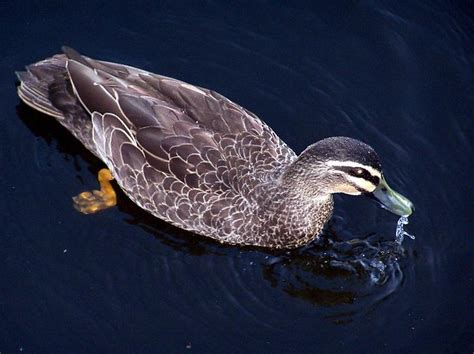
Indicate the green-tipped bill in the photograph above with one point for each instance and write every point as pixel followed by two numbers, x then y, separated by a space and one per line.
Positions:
pixel 391 200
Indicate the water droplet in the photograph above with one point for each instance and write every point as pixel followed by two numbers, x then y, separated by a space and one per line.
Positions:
pixel 400 233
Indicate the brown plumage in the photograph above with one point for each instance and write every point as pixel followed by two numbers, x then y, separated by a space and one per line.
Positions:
pixel 187 154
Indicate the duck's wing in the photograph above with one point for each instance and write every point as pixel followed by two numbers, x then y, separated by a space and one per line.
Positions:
pixel 184 153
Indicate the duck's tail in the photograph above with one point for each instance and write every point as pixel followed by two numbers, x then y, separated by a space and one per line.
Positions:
pixel 36 81
pixel 46 87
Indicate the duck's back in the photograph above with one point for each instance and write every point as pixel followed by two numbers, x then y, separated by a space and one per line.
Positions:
pixel 186 154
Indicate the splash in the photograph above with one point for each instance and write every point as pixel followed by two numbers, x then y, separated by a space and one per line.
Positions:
pixel 400 233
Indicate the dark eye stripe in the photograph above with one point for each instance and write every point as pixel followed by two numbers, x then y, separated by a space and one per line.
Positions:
pixel 352 171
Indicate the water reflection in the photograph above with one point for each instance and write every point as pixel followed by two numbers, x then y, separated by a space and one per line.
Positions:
pixel 52 132
pixel 335 272
pixel 345 277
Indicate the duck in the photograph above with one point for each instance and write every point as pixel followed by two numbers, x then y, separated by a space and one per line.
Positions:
pixel 197 160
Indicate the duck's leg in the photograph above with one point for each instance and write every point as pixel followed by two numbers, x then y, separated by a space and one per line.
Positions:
pixel 92 202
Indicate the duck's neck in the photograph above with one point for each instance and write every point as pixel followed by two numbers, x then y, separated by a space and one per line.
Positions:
pixel 305 183
pixel 294 210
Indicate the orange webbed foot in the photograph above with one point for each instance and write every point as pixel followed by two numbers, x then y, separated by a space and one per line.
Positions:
pixel 97 200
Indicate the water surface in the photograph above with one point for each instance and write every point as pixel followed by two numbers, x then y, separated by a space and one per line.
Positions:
pixel 397 75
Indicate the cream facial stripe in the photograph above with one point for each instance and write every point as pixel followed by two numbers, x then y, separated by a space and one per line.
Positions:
pixel 371 170
pixel 361 183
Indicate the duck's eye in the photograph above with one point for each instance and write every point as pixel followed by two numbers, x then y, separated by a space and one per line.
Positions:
pixel 359 171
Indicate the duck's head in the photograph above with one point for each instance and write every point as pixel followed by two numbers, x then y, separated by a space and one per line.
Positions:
pixel 346 165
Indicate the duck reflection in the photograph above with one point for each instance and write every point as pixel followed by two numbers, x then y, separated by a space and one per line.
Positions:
pixel 335 273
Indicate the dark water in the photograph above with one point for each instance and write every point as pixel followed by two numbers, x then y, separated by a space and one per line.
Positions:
pixel 398 75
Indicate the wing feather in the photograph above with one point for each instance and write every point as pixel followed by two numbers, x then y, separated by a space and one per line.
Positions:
pixel 187 154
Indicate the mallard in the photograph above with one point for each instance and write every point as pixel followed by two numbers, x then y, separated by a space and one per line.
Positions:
pixel 197 160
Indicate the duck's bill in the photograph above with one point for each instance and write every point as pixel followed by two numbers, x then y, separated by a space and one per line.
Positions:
pixel 391 200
